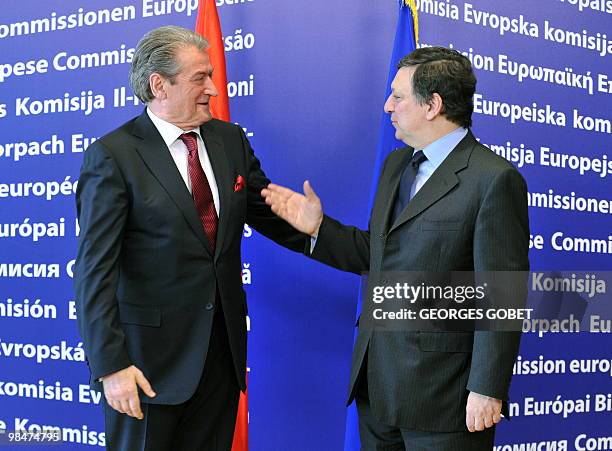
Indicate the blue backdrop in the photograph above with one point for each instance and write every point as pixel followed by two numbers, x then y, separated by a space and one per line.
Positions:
pixel 307 81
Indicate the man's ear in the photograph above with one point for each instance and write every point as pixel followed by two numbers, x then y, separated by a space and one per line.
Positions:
pixel 158 86
pixel 435 106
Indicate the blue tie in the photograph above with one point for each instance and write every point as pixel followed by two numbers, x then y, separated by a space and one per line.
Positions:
pixel 405 186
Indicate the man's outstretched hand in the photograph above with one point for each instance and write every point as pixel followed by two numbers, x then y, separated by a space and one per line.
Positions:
pixel 302 211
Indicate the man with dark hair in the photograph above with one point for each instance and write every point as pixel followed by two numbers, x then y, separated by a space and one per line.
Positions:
pixel 443 203
pixel 162 202
pixel 448 73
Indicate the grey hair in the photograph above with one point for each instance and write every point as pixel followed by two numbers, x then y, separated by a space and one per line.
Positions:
pixel 156 53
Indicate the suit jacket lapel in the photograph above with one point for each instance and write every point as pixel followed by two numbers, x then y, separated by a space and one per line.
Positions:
pixel 388 191
pixel 441 181
pixel 157 158
pixel 223 177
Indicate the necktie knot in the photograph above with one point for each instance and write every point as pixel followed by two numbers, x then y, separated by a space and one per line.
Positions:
pixel 191 141
pixel 418 158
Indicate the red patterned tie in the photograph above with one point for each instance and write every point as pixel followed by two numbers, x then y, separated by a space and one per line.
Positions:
pixel 200 189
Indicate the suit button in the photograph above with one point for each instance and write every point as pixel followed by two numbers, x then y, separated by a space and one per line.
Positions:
pixel 382 236
pixel 209 306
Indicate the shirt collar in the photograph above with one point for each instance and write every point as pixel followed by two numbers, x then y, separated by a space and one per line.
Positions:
pixel 437 151
pixel 169 132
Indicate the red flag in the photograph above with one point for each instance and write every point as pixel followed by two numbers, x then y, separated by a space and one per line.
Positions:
pixel 208 26
pixel 241 432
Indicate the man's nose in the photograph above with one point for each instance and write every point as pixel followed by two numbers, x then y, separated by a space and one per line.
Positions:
pixel 211 88
pixel 388 105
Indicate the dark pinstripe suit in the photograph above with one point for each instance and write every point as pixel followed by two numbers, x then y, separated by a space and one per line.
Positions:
pixel 471 215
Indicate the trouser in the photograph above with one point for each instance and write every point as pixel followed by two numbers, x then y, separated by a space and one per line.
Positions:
pixel 205 422
pixel 376 436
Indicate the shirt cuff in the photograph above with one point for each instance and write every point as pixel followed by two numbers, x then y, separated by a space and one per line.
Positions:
pixel 313 243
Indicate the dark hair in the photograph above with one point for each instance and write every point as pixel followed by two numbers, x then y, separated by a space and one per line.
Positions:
pixel 448 73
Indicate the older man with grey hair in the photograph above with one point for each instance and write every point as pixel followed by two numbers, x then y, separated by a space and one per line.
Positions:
pixel 162 202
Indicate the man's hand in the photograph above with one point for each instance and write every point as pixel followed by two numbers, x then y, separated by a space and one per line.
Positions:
pixel 482 412
pixel 304 212
pixel 121 390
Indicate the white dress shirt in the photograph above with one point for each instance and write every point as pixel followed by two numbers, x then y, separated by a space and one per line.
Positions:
pixel 170 134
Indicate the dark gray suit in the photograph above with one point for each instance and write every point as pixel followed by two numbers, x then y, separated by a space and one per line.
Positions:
pixel 471 215
pixel 148 285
